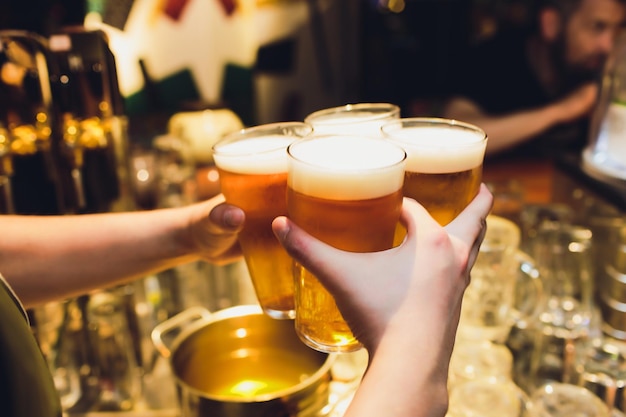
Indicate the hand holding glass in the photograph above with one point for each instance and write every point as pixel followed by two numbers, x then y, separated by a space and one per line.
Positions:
pixel 347 192
pixel 252 165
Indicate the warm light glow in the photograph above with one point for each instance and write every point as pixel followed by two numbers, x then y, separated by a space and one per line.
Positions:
pixel 143 175
pixel 395 6
pixel 4 142
pixel 241 333
pixel 213 175
pixel 72 130
pixel 12 74
pixel 248 388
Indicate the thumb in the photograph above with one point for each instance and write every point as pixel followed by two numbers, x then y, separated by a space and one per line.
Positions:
pixel 227 217
pixel 327 263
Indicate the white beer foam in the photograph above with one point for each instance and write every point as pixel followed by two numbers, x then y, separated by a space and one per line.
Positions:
pixel 361 123
pixel 437 150
pixel 257 155
pixel 346 167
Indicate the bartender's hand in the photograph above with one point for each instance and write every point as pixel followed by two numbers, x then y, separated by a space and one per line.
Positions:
pixel 213 226
pixel 577 104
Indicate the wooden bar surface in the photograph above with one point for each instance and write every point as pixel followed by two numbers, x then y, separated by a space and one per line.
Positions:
pixel 535 176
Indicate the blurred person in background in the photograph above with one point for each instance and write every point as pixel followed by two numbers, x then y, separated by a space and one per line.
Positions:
pixel 533 88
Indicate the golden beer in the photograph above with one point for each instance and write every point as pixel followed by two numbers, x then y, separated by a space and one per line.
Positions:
pixel 443 195
pixel 363 119
pixel 347 192
pixel 444 163
pixel 252 165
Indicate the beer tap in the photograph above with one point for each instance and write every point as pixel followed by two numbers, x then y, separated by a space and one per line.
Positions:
pixel 28 115
pixel 6 169
pixel 94 141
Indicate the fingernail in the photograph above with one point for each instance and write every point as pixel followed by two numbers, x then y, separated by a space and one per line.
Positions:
pixel 281 227
pixel 233 218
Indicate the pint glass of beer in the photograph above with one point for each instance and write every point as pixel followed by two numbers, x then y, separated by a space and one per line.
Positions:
pixel 347 192
pixel 364 119
pixel 444 162
pixel 252 165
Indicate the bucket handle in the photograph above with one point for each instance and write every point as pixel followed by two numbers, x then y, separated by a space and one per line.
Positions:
pixel 176 322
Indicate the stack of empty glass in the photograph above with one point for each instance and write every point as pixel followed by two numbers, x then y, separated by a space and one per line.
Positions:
pixel 481 369
pixel 568 315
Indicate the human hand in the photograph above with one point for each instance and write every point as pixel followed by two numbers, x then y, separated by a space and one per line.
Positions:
pixel 213 226
pixel 389 292
pixel 578 103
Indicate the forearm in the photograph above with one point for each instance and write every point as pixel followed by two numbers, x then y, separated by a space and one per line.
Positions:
pixel 514 129
pixel 46 258
pixel 411 369
pixel 507 131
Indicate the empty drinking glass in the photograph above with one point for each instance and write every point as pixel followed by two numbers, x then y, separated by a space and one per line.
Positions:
pixel 563 256
pixel 566 400
pixel 489 307
pixel 568 315
pixel 488 398
pixel 473 360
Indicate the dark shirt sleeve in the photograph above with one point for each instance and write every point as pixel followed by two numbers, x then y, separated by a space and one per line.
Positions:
pixel 28 389
pixel 495 75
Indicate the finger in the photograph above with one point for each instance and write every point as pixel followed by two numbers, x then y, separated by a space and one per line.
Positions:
pixel 214 226
pixel 227 217
pixel 476 246
pixel 468 224
pixel 413 213
pixel 323 260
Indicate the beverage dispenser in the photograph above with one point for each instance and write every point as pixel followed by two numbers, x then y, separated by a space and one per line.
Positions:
pixel 92 119
pixel 604 158
pixel 31 176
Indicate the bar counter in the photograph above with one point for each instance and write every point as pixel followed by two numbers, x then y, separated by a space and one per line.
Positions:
pixel 560 180
pixel 535 176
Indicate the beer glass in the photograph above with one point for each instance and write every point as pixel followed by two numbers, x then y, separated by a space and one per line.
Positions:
pixel 502 274
pixel 364 119
pixel 472 360
pixel 600 366
pixel 568 314
pixel 488 397
pixel 563 255
pixel 347 192
pixel 252 165
pixel 557 399
pixel 444 162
